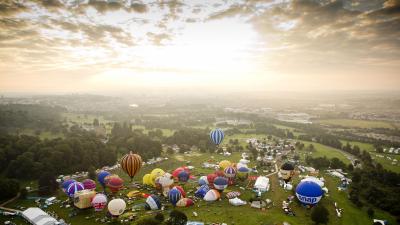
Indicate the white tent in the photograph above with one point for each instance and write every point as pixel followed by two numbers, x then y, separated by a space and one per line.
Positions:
pixel 37 216
pixel 262 184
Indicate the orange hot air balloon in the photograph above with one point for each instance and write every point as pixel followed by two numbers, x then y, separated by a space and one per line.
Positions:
pixel 131 164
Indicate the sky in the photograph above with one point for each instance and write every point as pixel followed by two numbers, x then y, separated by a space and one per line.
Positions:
pixel 49 46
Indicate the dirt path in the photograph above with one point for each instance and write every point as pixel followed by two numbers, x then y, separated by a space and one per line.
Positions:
pixel 8 202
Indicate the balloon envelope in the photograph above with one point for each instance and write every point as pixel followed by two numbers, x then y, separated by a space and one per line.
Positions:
pixel 212 195
pixel 183 176
pixel 210 178
pixel 99 202
pixel 183 193
pixel 73 188
pixel 184 202
pixel 202 191
pixel 220 183
pixel 147 179
pixel 131 164
pixel 203 180
pixel 89 184
pixel 176 172
pixel 155 174
pixel 217 136
pixel 115 183
pixel 153 202
pixel 116 207
pixel 66 183
pixel 230 172
pixel 174 195
pixel 224 164
pixel 309 192
pixel 101 177
pixel 165 180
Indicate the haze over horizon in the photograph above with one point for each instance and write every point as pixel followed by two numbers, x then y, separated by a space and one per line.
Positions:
pixel 119 46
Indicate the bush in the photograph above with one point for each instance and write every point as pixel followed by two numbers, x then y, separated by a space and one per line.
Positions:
pixel 319 214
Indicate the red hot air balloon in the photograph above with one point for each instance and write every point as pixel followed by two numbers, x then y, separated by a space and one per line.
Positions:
pixel 115 183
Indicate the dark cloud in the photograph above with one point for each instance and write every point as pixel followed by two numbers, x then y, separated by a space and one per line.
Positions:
pixel 139 7
pixel 11 7
pixel 103 6
pixel 158 39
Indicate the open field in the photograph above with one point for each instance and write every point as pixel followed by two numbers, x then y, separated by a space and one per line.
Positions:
pixel 222 211
pixel 384 161
pixel 357 123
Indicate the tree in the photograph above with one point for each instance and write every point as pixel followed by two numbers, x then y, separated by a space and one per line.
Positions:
pixel 170 151
pixel 47 184
pixel 296 157
pixel 177 218
pixel 319 215
pixel 8 188
pixel 96 122
pixel 370 212
pixel 92 173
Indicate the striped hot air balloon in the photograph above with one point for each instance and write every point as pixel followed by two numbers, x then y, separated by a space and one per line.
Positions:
pixel 66 184
pixel 73 188
pixel 230 172
pixel 153 202
pixel 217 136
pixel 174 195
pixel 202 191
pixel 131 164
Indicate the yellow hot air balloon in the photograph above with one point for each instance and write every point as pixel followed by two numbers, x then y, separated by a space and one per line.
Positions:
pixel 155 174
pixel 147 179
pixel 131 164
pixel 224 163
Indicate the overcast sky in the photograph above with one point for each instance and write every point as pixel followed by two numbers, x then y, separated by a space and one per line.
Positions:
pixel 114 45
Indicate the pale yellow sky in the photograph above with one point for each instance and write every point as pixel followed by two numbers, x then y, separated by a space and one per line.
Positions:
pixel 122 45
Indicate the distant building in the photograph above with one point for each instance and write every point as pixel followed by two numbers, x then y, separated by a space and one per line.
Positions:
pixel 37 216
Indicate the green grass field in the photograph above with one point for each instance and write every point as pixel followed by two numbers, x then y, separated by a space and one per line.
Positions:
pixel 357 123
pixel 386 163
pixel 222 211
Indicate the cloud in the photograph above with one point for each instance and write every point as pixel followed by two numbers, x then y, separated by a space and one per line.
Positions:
pixel 139 7
pixel 158 39
pixel 11 7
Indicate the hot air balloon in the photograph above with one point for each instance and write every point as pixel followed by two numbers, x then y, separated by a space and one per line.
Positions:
pixel 147 179
pixel 153 202
pixel 224 164
pixel 73 188
pixel 210 179
pixel 212 195
pixel 309 192
pixel 165 180
pixel 66 183
pixel 116 207
pixel 220 183
pixel 183 176
pixel 287 171
pixel 99 202
pixel 131 164
pixel 184 202
pixel 183 193
pixel 101 178
pixel 230 172
pixel 155 174
pixel 202 191
pixel 115 183
pixel 176 172
pixel 219 173
pixel 242 173
pixel 203 180
pixel 89 184
pixel 174 195
pixel 217 136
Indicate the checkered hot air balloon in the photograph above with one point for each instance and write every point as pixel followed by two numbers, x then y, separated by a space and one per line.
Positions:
pixel 217 136
pixel 131 164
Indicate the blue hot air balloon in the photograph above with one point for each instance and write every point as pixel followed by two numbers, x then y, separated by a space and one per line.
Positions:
pixel 101 177
pixel 66 183
pixel 183 176
pixel 309 193
pixel 220 183
pixel 73 188
pixel 174 195
pixel 153 202
pixel 217 136
pixel 202 191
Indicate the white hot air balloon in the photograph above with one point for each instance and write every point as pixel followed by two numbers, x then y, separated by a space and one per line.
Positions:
pixel 211 195
pixel 116 207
